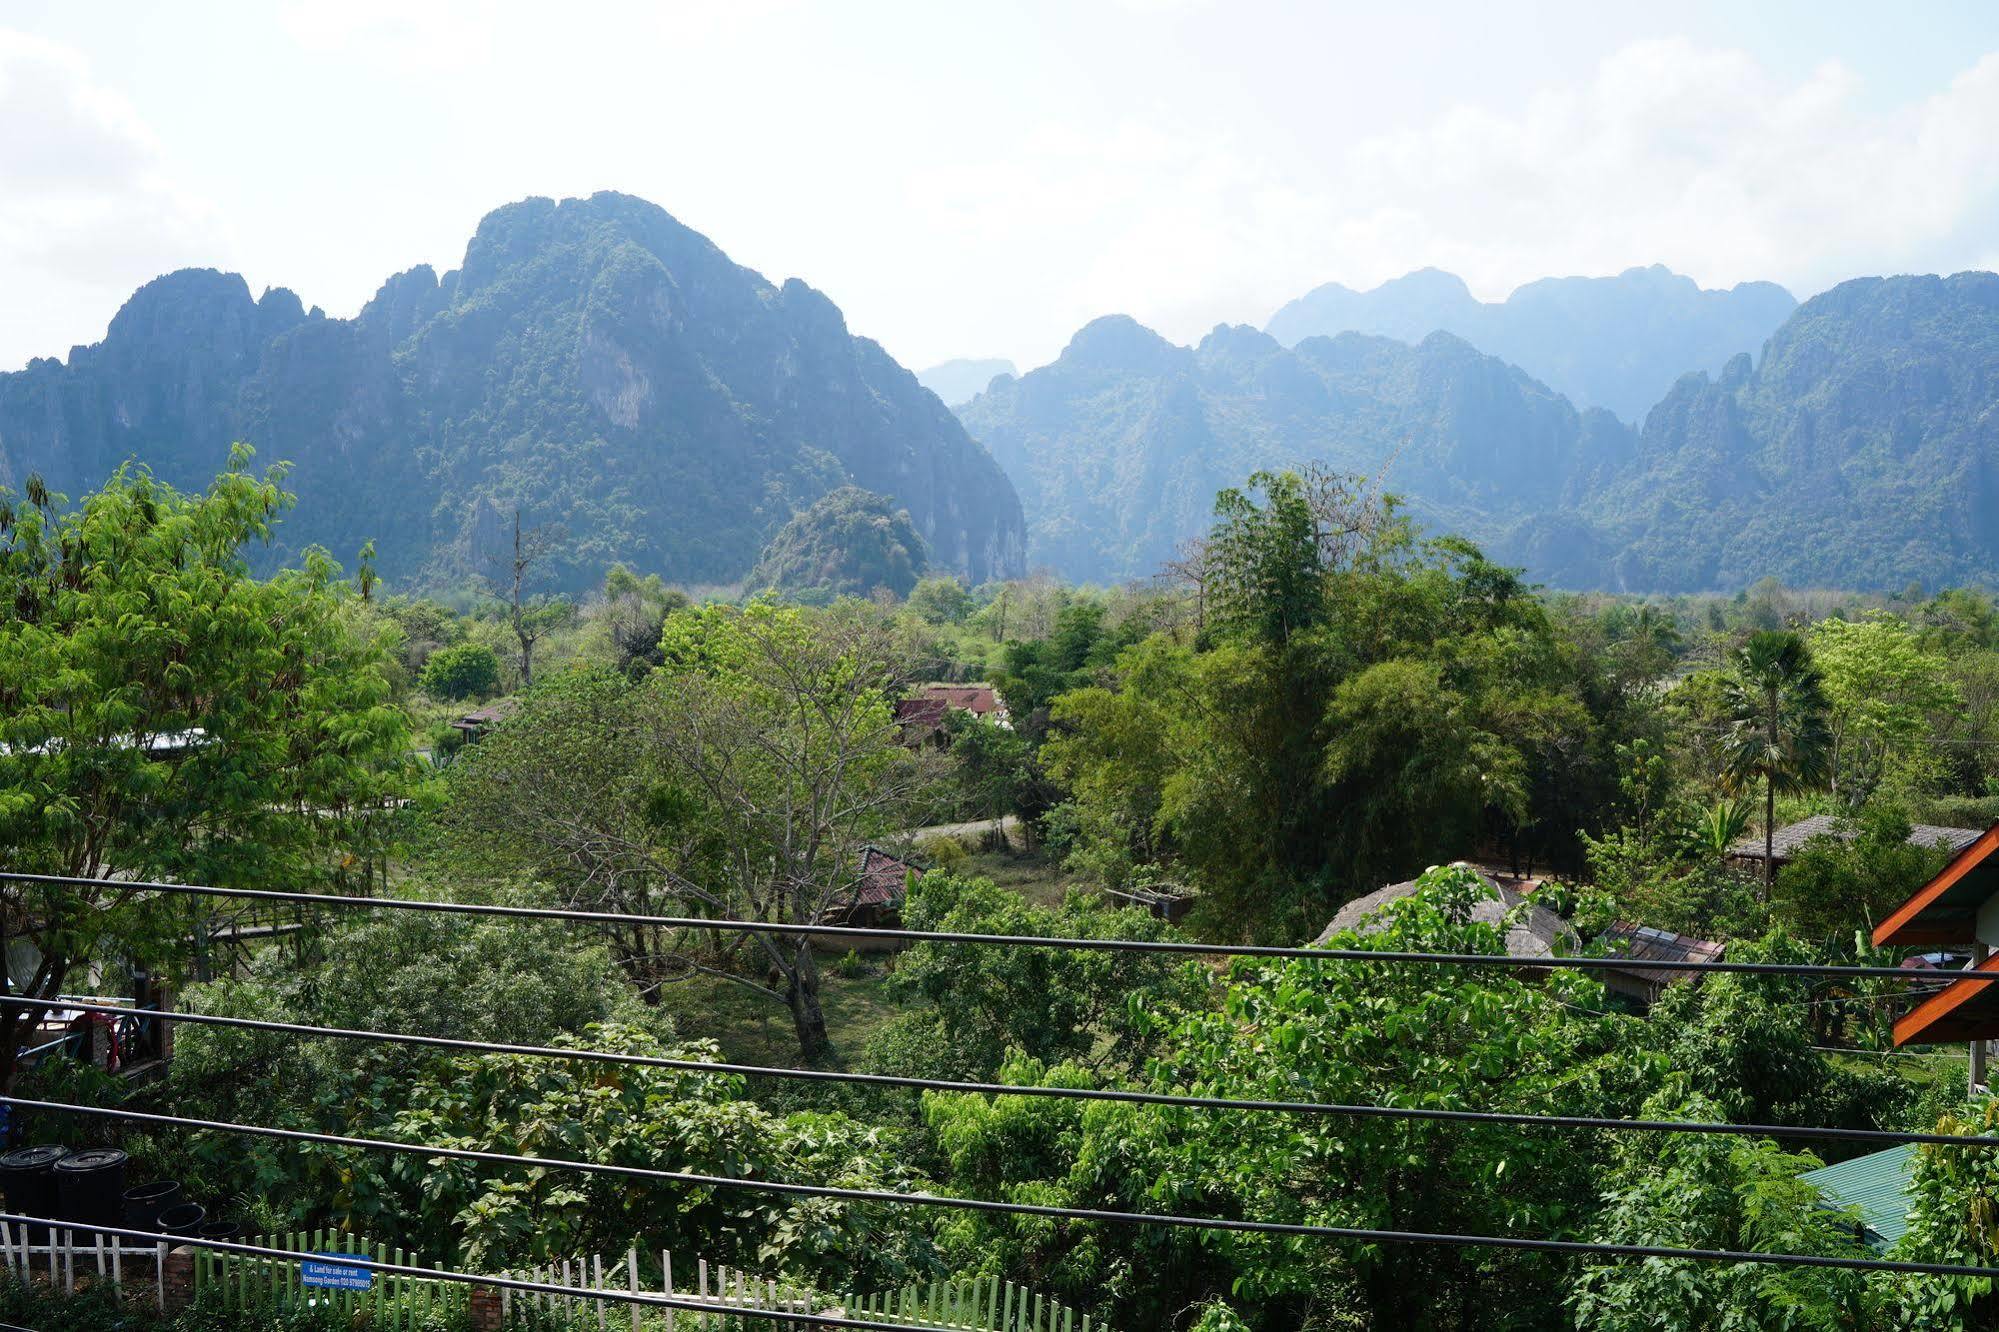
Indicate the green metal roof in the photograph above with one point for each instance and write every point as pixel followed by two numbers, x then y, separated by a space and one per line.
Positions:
pixel 1877 1184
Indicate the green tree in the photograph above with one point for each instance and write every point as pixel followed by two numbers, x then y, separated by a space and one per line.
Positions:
pixel 1882 689
pixel 741 779
pixel 628 621
pixel 971 1007
pixel 848 543
pixel 463 670
pixel 1404 1034
pixel 941 599
pixel 165 715
pixel 1687 1191
pixel 1779 732
pixel 1838 885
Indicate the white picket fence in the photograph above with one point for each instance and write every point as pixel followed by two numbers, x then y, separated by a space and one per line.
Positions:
pixel 59 1254
pixel 719 1287
pixel 965 1304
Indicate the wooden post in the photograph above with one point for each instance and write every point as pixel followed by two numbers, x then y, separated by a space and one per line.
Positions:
pixel 1975 1073
pixel 666 1278
pixel 632 1271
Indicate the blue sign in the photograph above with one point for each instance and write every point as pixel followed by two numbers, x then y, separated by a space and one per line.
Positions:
pixel 335 1276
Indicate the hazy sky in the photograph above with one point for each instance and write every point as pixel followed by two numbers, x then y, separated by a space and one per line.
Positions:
pixel 980 179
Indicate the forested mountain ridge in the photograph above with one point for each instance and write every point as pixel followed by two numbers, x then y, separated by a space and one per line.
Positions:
pixel 1612 342
pixel 593 362
pixel 1120 444
pixel 1863 450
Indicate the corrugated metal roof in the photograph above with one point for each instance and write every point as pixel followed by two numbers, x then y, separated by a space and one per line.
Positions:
pixel 1643 943
pixel 1877 1184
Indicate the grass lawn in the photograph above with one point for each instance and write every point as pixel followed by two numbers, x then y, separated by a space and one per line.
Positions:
pixel 752 1029
pixel 1035 875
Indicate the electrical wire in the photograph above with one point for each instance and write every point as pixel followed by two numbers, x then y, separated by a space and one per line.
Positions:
pixel 645 1299
pixel 884 1196
pixel 1884 1137
pixel 1179 947
pixel 1447 1239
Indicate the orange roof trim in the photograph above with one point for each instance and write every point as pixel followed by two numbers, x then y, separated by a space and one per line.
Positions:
pixel 1908 924
pixel 1965 1011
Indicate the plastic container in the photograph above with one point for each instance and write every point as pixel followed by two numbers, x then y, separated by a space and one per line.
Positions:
pixel 220 1230
pixel 144 1204
pixel 183 1219
pixel 28 1181
pixel 90 1186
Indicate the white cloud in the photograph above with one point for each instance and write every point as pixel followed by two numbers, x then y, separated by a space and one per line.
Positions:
pixel 1697 158
pixel 1667 152
pixel 87 212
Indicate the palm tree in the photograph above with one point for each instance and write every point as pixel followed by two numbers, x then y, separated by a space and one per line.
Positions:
pixel 1779 732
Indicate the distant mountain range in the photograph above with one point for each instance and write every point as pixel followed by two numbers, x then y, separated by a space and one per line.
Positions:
pixel 962 380
pixel 600 367
pixel 593 363
pixel 1862 451
pixel 1612 342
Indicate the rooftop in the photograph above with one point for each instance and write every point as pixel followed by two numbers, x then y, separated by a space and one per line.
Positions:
pixel 1877 1184
pixel 1534 933
pixel 1791 838
pixel 1643 943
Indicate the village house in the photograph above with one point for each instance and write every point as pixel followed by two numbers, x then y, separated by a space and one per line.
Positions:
pixel 1790 839
pixel 875 897
pixel 1957 910
pixel 921 715
pixel 472 725
pixel 1642 943
pixel 1532 930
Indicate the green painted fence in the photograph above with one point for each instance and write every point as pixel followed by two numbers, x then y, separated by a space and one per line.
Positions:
pixel 246 1281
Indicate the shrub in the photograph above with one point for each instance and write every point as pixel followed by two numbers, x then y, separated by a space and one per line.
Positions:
pixel 463 670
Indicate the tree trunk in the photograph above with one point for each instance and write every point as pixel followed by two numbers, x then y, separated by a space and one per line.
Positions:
pixel 1769 834
pixel 802 996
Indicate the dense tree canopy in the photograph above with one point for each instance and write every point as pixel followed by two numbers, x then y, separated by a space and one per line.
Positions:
pixel 164 713
pixel 848 543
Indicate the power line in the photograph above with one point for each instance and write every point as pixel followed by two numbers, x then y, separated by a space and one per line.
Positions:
pixel 1886 1137
pixel 884 1196
pixel 1447 1239
pixel 645 1299
pixel 1180 947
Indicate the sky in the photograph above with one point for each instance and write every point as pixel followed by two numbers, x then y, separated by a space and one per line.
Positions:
pixel 981 180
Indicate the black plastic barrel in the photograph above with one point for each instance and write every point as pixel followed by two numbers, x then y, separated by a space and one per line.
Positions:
pixel 220 1230
pixel 184 1219
pixel 144 1204
pixel 27 1177
pixel 90 1186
